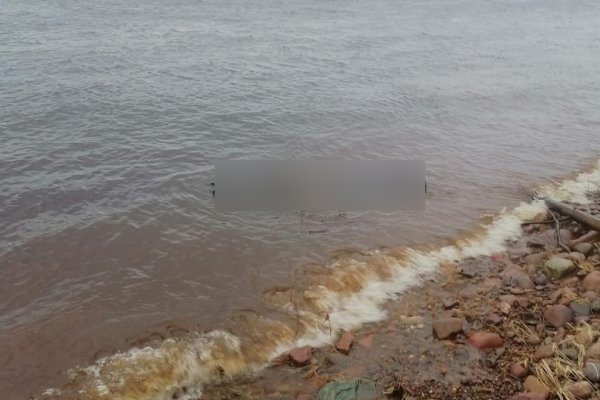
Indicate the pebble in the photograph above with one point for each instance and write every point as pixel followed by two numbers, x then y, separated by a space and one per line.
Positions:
pixel 580 308
pixel 536 258
pixel 517 370
pixel 583 248
pixel 582 389
pixel 593 352
pixel 592 371
pixel 588 237
pixel 558 315
pixel 485 340
pixel 344 344
pixel 493 319
pixel 301 356
pixel 450 303
pixel 445 327
pixel 540 279
pixel 544 351
pixel 595 306
pixel 529 396
pixel 533 384
pixel 504 307
pixel 514 275
pixel 592 281
pixel 558 267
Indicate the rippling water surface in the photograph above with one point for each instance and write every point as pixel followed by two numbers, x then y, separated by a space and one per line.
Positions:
pixel 112 113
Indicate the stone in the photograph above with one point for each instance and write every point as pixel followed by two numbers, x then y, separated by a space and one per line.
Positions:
pixel 485 340
pixel 558 267
pixel 588 237
pixel 595 307
pixel 494 319
pixel 536 259
pixel 584 248
pixel 593 352
pixel 533 384
pixel 580 308
pixel 445 327
pixel 575 256
pixel 592 281
pixel 344 344
pixel 529 396
pixel 504 307
pixel 558 315
pixel 450 303
pixel 540 279
pixel 592 371
pixel 571 353
pixel 544 351
pixel 581 389
pixel 515 276
pixel 517 370
pixel 301 356
pixel 367 341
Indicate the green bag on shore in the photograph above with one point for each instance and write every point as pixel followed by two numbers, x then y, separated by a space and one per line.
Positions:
pixel 351 389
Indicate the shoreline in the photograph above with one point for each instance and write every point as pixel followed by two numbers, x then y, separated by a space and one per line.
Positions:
pixel 507 326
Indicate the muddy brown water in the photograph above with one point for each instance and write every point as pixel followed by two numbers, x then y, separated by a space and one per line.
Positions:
pixel 112 115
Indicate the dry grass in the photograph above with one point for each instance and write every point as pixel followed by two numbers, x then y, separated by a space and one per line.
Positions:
pixel 523 334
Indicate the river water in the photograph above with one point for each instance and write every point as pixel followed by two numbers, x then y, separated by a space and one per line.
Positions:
pixel 112 114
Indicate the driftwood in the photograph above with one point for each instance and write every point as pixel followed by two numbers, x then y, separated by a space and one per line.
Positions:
pixel 582 217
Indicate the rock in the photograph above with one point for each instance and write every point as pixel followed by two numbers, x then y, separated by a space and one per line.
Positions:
pixel 355 389
pixel 581 389
pixel 485 340
pixel 558 267
pixel 592 281
pixel 591 296
pixel 558 315
pixel 593 352
pixel 514 275
pixel 575 256
pixel 528 396
pixel 533 384
pixel 571 353
pixel 367 341
pixel 517 370
pixel 344 344
pixel 494 319
pixel 584 248
pixel 536 259
pixel 540 279
pixel 588 237
pixel 445 327
pixel 592 371
pixel 450 303
pixel 544 351
pixel 504 307
pixel 318 381
pixel 301 356
pixel 595 307
pixel 580 308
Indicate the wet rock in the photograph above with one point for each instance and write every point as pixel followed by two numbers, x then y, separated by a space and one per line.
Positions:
pixel 485 340
pixel 445 327
pixel 558 315
pixel 344 344
pixel 592 371
pixel 595 307
pixel 544 351
pixel 592 281
pixel 580 308
pixel 584 248
pixel 582 389
pixel 517 370
pixel 558 267
pixel 514 275
pixel 593 352
pixel 367 341
pixel 301 356
pixel 533 384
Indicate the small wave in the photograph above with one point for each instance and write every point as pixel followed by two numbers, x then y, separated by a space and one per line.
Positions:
pixel 349 292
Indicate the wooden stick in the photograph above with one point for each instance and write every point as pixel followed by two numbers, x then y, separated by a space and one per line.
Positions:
pixel 582 217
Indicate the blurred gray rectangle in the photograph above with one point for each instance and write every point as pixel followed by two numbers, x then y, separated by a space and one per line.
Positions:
pixel 319 185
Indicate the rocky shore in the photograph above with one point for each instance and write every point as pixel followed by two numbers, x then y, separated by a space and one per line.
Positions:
pixel 523 324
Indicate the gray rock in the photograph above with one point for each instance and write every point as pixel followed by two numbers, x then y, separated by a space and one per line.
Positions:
pixel 580 308
pixel 514 275
pixel 593 352
pixel 540 279
pixel 592 371
pixel 558 267
pixel 584 248
pixel 595 307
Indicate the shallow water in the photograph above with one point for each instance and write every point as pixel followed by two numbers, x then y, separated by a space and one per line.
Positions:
pixel 112 116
